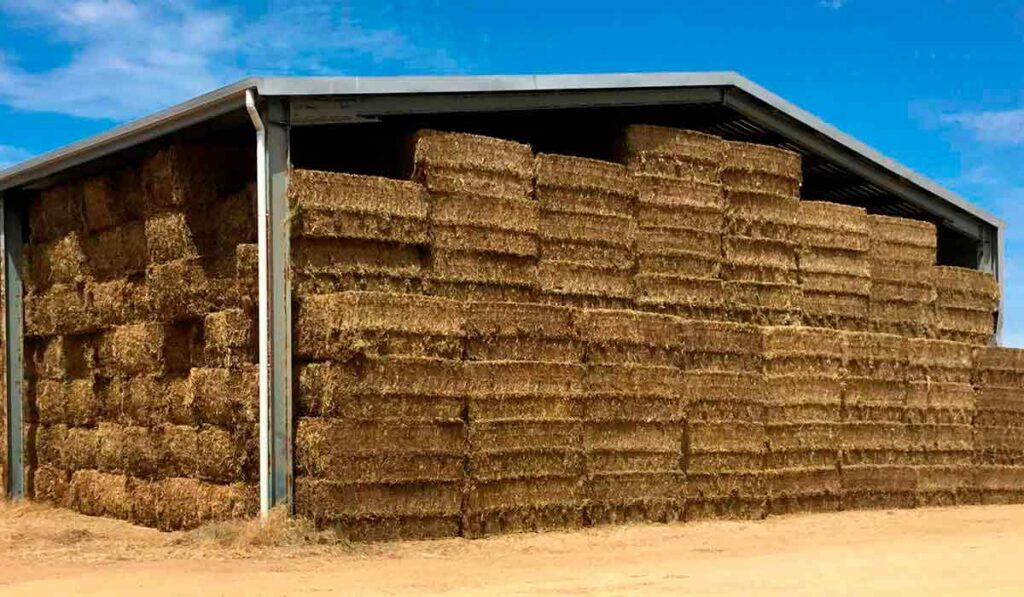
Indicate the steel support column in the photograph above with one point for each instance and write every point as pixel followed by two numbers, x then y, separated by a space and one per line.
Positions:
pixel 276 120
pixel 11 229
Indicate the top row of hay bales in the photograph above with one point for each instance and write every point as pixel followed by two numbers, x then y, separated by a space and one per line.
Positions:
pixel 689 224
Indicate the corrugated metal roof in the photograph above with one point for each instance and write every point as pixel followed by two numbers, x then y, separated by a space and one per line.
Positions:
pixel 750 104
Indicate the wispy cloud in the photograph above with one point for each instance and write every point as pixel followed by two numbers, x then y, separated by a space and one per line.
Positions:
pixel 833 4
pixel 130 57
pixel 10 156
pixel 998 127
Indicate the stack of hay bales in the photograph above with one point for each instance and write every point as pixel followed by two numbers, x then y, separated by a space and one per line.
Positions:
pixel 524 465
pixel 803 374
pixel 725 403
pixel 965 304
pixel 901 255
pixel 940 411
pixel 483 218
pixel 835 275
pixel 380 441
pixel 354 232
pixel 680 214
pixel 875 440
pixel 762 197
pixel 634 423
pixel 131 303
pixel 999 425
pixel 586 231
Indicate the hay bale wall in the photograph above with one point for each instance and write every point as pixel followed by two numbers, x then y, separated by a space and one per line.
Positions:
pixel 555 345
pixel 140 350
pixel 835 274
pixel 723 385
pixel 804 374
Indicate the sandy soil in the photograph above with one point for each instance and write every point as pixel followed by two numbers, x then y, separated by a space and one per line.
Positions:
pixel 977 550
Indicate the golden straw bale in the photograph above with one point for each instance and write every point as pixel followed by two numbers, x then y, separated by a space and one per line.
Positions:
pixel 60 309
pixel 462 163
pixel 56 212
pixel 229 338
pixel 963 288
pixel 484 268
pixel 169 236
pixel 111 199
pixel 227 397
pixel 569 278
pixel 329 326
pixel 61 261
pixel 189 288
pixel 118 301
pixel 558 227
pixel 902 240
pixel 330 500
pixel 656 290
pixel 673 152
pixel 337 193
pixel 143 348
pixel 581 185
pixel 833 226
pixel 60 357
pixel 117 251
pixel 100 494
pixel 51 485
pixel 375 388
pixel 764 303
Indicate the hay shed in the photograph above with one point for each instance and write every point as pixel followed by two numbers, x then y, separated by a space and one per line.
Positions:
pixel 459 306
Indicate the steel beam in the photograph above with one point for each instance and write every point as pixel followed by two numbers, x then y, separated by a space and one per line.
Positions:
pixel 11 229
pixel 278 146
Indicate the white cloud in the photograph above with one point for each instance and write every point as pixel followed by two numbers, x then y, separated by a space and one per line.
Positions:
pixel 998 127
pixel 130 57
pixel 10 156
pixel 833 4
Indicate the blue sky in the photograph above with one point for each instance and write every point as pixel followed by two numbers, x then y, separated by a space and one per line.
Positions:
pixel 936 84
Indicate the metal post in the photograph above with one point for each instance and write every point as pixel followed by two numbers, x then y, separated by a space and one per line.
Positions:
pixel 276 121
pixel 11 230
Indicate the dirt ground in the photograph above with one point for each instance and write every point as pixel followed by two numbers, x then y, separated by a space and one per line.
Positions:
pixel 975 550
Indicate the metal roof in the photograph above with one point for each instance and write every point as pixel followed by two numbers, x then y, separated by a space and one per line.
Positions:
pixel 761 112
